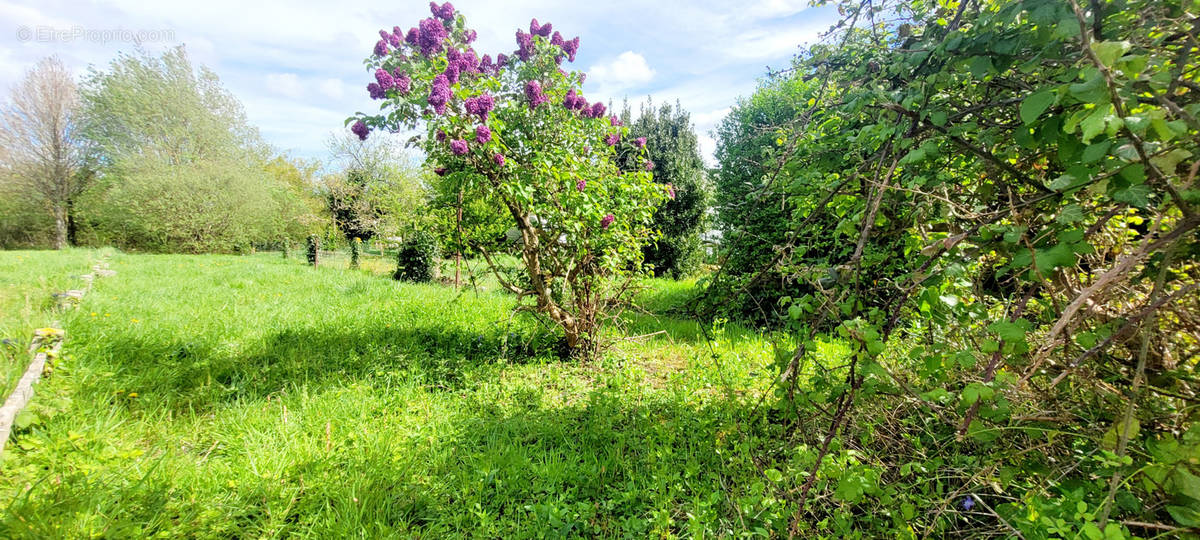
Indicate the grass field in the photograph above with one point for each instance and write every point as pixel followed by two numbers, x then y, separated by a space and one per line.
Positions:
pixel 255 397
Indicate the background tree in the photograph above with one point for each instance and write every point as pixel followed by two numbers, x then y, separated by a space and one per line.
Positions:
pixel 43 155
pixel 672 147
pixel 377 189
pixel 179 167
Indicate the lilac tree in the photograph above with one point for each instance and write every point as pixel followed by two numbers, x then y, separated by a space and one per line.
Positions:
pixel 517 129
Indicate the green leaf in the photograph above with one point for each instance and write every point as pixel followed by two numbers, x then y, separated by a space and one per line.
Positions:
pixel 1036 103
pixel 1110 51
pixel 1111 437
pixel 1188 517
pixel 1070 213
pixel 938 118
pixel 773 475
pixel 1094 123
pixel 1091 90
pixel 980 66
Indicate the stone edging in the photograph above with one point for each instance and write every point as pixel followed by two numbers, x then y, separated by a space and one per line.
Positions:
pixel 47 342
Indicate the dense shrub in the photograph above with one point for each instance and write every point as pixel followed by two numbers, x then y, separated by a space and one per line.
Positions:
pixel 313 249
pixel 355 249
pixel 418 258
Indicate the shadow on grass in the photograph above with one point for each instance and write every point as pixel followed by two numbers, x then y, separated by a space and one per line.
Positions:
pixel 198 375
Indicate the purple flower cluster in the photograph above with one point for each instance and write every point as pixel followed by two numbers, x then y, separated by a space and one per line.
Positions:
pixel 614 121
pixel 580 185
pixel 445 12
pixel 440 171
pixel 671 192
pixel 542 30
pixel 480 106
pixel 612 139
pixel 440 136
pixel 460 62
pixel 431 35
pixel 499 159
pixel 439 93
pixel 413 37
pixel 381 48
pixel 389 37
pixel 650 166
pixel 525 41
pixel 385 80
pixel 458 146
pixel 607 220
pixel 360 128
pixel 403 82
pixel 574 101
pixel 483 134
pixel 533 92
pixel 640 142
pixel 524 45
pixel 376 91
pixel 596 111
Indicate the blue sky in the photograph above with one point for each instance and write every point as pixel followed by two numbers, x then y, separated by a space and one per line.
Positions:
pixel 297 66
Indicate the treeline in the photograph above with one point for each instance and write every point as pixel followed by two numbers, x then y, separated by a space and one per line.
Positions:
pixel 152 153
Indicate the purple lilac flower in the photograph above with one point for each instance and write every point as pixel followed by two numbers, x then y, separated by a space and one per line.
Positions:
pixel 587 149
pixel 440 136
pixel 582 78
pixel 640 142
pixel 403 82
pixel 360 128
pixel 499 159
pixel 376 91
pixel 569 100
pixel 483 134
pixel 583 105
pixel 580 185
pixel 446 12
pixel 439 93
pixel 381 48
pixel 649 165
pixel 543 30
pixel 485 65
pixel 533 92
pixel 440 171
pixel 468 61
pixel 571 47
pixel 470 36
pixel 451 73
pixel 394 40
pixel 458 146
pixel 557 40
pixel 671 192
pixel 607 220
pixel 968 503
pixel 385 80
pixel 598 110
pixel 480 106
pixel 524 45
pixel 501 61
pixel 413 37
pixel 614 121
pixel 612 139
pixel 432 34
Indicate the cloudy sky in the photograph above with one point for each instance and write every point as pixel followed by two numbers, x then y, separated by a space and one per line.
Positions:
pixel 297 66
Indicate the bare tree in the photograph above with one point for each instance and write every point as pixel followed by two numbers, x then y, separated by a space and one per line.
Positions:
pixel 41 148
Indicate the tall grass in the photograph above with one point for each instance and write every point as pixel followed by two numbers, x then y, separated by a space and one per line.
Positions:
pixel 222 396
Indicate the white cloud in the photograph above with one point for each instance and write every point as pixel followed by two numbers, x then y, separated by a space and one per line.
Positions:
pixel 332 88
pixel 285 84
pixel 627 70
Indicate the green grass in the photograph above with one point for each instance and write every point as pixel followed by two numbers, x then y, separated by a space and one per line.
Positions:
pixel 224 396
pixel 28 281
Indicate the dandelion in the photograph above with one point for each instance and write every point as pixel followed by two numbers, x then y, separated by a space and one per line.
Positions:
pixel 607 220
pixel 459 147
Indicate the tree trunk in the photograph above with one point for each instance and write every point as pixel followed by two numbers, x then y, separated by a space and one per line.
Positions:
pixel 72 227
pixel 60 226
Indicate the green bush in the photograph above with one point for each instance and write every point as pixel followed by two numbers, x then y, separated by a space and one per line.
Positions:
pixel 355 249
pixel 314 248
pixel 417 259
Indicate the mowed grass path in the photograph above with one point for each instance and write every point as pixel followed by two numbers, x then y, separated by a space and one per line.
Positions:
pixel 255 397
